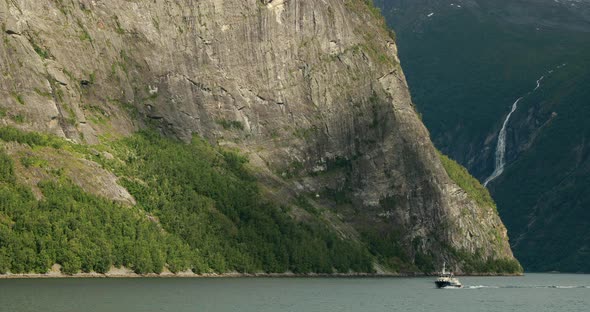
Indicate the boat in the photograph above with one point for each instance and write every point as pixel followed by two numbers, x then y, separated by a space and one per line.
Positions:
pixel 447 279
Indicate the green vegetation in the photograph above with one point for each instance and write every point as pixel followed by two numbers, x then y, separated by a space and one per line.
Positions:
pixel 374 10
pixel 118 29
pixel 230 124
pixel 32 161
pixel 84 36
pixel 212 215
pixel 32 139
pixel 305 133
pixel 467 182
pixel 18 98
pixel 63 8
pixel 213 203
pixel 44 94
pixel 387 247
pixel 474 263
pixel 156 23
pixel 366 5
pixel 198 208
pixel 43 53
pixel 79 231
pixel 304 203
pixel 18 118
pixel 373 44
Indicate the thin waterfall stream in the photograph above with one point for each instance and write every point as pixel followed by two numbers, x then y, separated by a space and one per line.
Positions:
pixel 501 147
pixel 500 155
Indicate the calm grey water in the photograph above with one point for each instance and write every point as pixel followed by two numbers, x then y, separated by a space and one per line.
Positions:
pixel 534 292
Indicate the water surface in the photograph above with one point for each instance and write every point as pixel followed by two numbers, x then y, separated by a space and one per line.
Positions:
pixel 533 292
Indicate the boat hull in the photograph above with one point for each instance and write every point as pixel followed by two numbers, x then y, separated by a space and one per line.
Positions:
pixel 446 284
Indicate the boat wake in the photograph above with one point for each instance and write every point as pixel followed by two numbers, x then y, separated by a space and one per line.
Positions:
pixel 526 286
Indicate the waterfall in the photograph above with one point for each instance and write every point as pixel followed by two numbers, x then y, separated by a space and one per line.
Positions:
pixel 501 145
pixel 538 83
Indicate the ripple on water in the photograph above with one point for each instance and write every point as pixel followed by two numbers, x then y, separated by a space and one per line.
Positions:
pixel 526 286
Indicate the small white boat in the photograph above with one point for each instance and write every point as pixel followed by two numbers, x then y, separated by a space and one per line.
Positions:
pixel 447 280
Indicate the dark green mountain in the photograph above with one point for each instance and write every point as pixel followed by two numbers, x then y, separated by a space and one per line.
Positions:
pixel 467 62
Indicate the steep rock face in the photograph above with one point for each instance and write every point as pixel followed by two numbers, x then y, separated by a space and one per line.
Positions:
pixel 312 91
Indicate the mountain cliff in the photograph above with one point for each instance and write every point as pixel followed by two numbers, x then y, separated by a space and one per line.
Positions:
pixel 311 93
pixel 500 52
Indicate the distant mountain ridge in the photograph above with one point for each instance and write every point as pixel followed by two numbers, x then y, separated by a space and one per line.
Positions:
pixel 467 66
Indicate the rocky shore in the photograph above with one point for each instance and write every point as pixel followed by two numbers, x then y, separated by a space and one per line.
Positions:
pixel 128 273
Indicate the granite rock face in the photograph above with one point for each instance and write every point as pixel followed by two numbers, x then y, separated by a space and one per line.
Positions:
pixel 312 91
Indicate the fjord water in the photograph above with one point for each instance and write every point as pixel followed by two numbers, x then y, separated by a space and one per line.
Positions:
pixel 533 292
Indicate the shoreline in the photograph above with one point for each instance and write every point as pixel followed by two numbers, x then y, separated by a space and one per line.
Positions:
pixel 54 275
